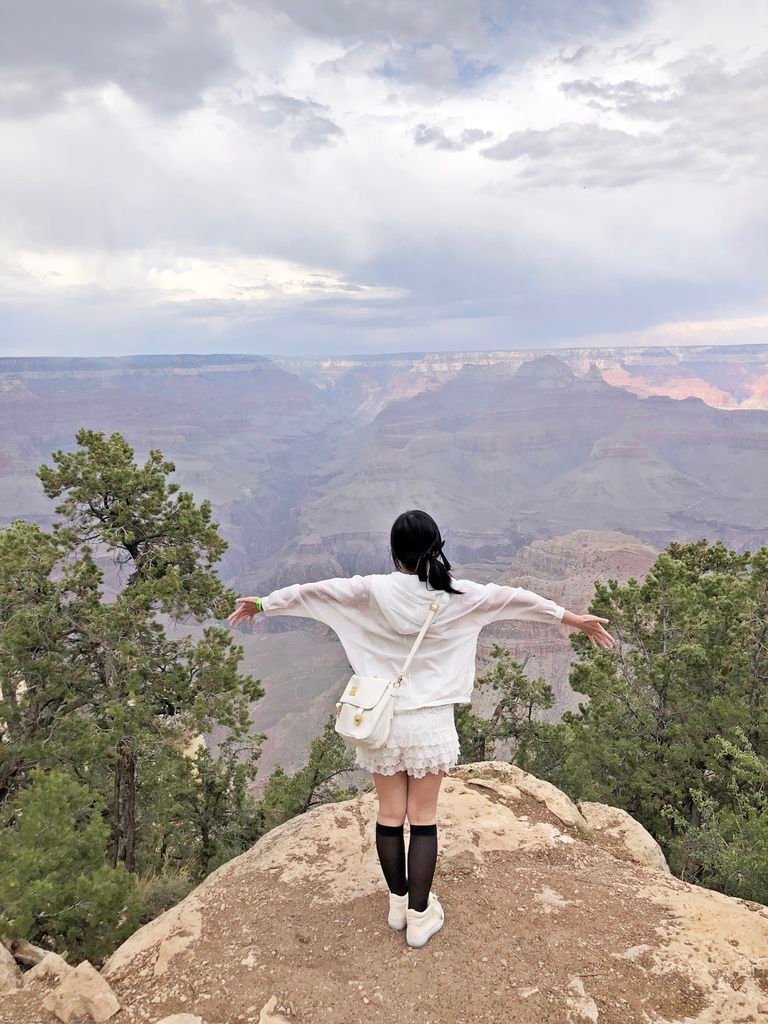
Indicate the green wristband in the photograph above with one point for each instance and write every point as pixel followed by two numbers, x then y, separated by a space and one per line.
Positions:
pixel 259 606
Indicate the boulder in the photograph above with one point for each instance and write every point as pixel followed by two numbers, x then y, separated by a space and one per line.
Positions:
pixel 511 783
pixel 615 826
pixel 24 952
pixel 82 993
pixel 10 975
pixel 52 968
pixel 165 937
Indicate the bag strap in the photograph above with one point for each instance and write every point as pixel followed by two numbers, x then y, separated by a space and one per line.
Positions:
pixel 434 606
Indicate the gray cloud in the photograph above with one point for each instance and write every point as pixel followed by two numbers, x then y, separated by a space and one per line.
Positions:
pixel 642 50
pixel 162 55
pixel 442 20
pixel 702 89
pixel 612 94
pixel 431 64
pixel 577 57
pixel 417 42
pixel 304 121
pixel 431 135
pixel 592 156
pixel 166 55
pixel 579 154
pixel 317 132
pixel 99 210
pixel 707 125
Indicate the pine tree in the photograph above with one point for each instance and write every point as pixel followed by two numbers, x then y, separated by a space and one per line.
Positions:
pixel 95 683
pixel 727 847
pixel 513 715
pixel 690 671
pixel 287 795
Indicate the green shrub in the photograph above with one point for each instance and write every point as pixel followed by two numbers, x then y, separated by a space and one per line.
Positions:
pixel 56 889
pixel 727 847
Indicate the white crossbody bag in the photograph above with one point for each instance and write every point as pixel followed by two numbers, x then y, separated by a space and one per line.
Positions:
pixel 364 710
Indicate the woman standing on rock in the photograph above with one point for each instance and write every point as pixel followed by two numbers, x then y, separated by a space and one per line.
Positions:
pixel 376 618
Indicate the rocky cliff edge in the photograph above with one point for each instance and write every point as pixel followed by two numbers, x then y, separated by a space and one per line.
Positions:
pixel 555 912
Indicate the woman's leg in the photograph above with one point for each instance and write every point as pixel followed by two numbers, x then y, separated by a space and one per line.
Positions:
pixel 421 809
pixel 392 793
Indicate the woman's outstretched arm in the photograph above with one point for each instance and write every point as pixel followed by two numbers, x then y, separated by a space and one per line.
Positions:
pixel 504 602
pixel 321 600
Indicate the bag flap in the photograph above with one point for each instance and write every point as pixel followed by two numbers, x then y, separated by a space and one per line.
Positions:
pixel 364 691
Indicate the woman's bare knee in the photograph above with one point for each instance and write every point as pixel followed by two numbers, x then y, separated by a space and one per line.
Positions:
pixel 392 793
pixel 421 806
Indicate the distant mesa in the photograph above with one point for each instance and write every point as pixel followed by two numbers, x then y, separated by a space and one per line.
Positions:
pixel 546 372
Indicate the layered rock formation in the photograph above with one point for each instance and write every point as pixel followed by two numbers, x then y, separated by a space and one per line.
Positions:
pixel 564 569
pixel 555 911
pixel 306 461
pixel 500 460
pixel 724 376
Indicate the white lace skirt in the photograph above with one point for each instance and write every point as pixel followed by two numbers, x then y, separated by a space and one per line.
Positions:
pixel 420 741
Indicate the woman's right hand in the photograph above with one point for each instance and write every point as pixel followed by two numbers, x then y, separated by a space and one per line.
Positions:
pixel 592 625
pixel 245 612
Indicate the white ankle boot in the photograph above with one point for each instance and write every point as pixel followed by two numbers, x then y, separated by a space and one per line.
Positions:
pixel 421 925
pixel 397 908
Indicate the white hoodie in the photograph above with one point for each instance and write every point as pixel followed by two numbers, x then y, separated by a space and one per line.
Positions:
pixel 377 618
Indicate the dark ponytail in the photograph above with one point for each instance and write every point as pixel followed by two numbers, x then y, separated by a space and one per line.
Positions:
pixel 416 544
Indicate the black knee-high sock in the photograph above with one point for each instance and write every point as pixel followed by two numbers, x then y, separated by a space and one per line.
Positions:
pixel 422 860
pixel 390 846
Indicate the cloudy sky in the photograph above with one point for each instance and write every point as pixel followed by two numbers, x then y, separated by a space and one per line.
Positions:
pixel 351 176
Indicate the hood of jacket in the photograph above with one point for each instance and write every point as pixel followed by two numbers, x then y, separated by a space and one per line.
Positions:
pixel 404 599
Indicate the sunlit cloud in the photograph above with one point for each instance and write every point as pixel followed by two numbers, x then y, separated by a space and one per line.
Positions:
pixel 186 279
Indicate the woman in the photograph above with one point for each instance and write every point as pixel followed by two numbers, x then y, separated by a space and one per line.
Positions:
pixel 376 617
